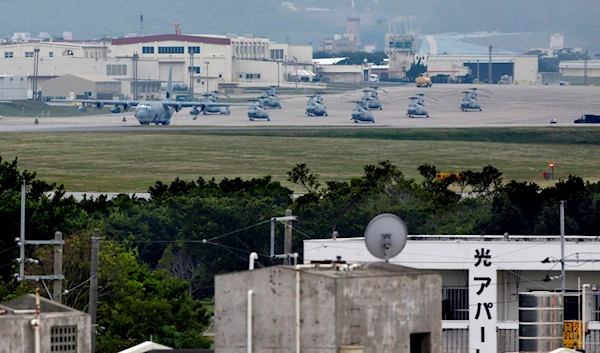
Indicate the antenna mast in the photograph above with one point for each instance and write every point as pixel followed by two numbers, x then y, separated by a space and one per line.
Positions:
pixel 141 25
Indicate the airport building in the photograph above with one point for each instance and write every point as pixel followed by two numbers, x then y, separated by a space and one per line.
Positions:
pixel 200 62
pixel 482 277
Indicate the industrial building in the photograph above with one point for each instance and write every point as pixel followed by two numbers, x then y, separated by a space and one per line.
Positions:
pixel 579 68
pixel 482 277
pixel 201 62
pixel 61 329
pixel 82 86
pixel 329 308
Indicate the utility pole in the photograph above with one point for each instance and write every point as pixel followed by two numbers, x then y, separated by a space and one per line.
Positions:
pixel 585 68
pixel 287 237
pixel 278 62
pixel 478 80
pixel 22 235
pixel 562 245
pixel 135 58
pixel 490 73
pixel 192 71
pixel 58 257
pixel 36 56
pixel 296 74
pixel 207 62
pixel 93 304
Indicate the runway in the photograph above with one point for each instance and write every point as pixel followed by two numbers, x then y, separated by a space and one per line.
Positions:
pixel 508 106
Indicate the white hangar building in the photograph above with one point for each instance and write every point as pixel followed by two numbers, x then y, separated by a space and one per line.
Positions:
pixel 482 277
pixel 200 62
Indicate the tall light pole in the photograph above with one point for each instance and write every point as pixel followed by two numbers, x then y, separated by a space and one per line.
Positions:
pixel 278 62
pixel 296 74
pixel 206 62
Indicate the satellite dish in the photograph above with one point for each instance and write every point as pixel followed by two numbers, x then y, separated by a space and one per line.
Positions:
pixel 385 236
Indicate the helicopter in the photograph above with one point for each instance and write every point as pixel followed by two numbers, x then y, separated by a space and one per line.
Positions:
pixel 416 107
pixel 315 106
pixel 362 112
pixel 269 98
pixel 470 101
pixel 374 102
pixel 258 111
pixel 213 97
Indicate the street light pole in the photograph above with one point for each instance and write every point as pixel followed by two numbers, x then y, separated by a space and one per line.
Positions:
pixel 296 75
pixel 278 73
pixel 206 62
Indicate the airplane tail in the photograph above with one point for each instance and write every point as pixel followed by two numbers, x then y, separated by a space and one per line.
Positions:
pixel 169 84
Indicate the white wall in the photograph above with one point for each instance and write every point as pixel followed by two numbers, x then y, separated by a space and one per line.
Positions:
pixel 13 87
pixel 266 69
pixel 526 68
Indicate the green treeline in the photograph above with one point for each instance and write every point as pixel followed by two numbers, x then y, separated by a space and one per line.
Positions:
pixel 158 257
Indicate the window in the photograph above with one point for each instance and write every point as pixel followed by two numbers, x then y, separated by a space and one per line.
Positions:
pixel 276 54
pixel 171 50
pixel 29 54
pixel 455 303
pixel 195 50
pixel 195 69
pixel 63 339
pixel 116 70
pixel 8 54
pixel 147 50
pixel 51 54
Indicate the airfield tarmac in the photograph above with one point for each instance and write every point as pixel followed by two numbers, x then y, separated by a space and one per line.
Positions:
pixel 508 106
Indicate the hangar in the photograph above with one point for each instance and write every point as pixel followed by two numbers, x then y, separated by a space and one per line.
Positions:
pixel 82 86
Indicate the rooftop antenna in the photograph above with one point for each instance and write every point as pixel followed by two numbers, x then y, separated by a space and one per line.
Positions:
pixel 141 25
pixel 177 29
pixel 385 236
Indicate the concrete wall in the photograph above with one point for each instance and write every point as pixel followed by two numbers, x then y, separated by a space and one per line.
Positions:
pixel 377 312
pixel 17 336
pixel 380 313
pixel 13 87
pixel 266 69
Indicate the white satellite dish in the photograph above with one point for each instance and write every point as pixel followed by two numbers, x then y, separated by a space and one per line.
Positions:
pixel 385 236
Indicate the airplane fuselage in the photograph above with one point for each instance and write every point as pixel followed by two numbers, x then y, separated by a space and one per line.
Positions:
pixel 153 112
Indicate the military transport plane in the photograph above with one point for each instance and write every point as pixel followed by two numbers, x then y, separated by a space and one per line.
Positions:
pixel 154 112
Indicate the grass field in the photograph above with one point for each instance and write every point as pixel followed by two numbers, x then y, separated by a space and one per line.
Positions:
pixel 120 162
pixel 30 109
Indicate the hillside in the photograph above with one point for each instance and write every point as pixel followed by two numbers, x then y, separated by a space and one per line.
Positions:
pixel 301 20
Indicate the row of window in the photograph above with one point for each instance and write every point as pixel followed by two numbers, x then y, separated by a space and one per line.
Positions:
pixel 28 54
pixel 116 70
pixel 171 50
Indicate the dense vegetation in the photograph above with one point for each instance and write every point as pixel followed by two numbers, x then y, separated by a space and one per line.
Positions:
pixel 162 254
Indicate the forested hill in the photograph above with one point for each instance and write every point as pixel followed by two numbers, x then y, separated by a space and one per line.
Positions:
pixel 301 20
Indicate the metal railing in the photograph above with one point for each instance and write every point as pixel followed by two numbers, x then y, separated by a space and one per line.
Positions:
pixel 455 303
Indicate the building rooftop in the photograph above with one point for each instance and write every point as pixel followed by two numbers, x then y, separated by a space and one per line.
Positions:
pixel 95 77
pixel 27 302
pixel 171 37
pixel 372 269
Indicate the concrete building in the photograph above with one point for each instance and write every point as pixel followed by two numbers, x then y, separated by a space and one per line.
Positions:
pixel 512 264
pixel 400 50
pixel 13 87
pixel 557 41
pixel 376 308
pixel 62 329
pixel 80 86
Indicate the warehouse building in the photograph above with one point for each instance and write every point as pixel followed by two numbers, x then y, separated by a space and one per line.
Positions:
pixel 82 86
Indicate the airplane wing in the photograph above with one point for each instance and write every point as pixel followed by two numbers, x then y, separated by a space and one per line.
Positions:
pixel 99 102
pixel 187 104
